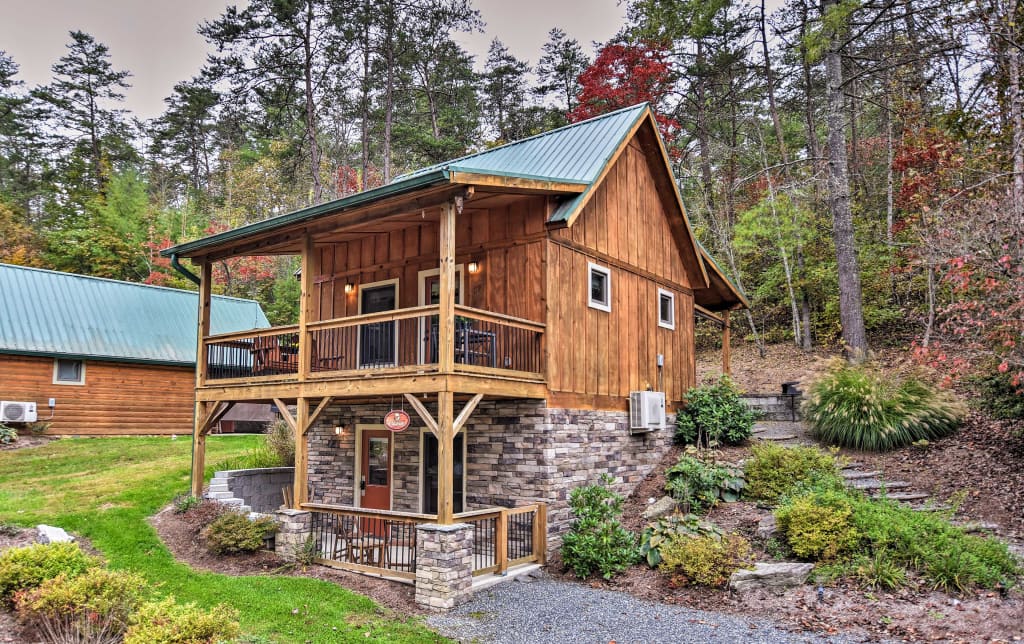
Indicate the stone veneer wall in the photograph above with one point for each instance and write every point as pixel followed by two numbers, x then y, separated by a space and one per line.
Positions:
pixel 518 451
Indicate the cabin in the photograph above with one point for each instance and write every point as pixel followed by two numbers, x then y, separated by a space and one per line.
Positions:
pixel 469 339
pixel 103 357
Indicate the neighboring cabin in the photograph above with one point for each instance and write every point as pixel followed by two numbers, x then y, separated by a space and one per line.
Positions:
pixel 117 357
pixel 511 301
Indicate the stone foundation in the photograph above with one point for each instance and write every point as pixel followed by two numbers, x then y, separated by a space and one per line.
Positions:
pixel 444 565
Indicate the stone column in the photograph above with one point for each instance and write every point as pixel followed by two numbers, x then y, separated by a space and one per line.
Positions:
pixel 444 565
pixel 293 527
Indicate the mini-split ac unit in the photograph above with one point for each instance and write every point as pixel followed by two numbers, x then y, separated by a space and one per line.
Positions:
pixel 17 412
pixel 646 411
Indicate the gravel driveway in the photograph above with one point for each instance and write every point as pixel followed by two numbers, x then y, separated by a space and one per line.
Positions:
pixel 549 612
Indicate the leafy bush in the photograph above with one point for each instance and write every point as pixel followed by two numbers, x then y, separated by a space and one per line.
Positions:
pixel 234 532
pixel 30 566
pixel 699 485
pixel 714 415
pixel 280 439
pixel 597 542
pixel 165 622
pixel 92 607
pixel 775 471
pixel 185 502
pixel 858 407
pixel 819 526
pixel 7 434
pixel 706 560
pixel 1000 397
pixel 666 529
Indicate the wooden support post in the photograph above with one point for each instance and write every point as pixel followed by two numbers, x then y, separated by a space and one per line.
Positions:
pixel 501 542
pixel 726 342
pixel 445 456
pixel 301 452
pixel 201 410
pixel 446 314
pixel 540 533
pixel 306 308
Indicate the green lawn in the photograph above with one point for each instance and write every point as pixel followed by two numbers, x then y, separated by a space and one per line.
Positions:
pixel 104 488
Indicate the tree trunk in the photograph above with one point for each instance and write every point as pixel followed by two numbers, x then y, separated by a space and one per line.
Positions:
pixel 703 137
pixel 772 106
pixel 851 314
pixel 1017 117
pixel 311 129
pixel 389 86
pixel 365 102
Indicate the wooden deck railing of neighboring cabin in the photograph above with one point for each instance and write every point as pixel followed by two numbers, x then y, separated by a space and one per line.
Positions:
pixel 389 342
pixel 384 542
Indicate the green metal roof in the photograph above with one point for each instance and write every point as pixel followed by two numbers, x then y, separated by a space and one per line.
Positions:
pixel 52 313
pixel 576 153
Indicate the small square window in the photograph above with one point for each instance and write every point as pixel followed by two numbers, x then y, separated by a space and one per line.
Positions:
pixel 600 284
pixel 666 309
pixel 68 372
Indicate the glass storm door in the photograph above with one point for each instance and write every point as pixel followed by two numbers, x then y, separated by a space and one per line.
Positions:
pixel 375 477
pixel 430 473
pixel 377 341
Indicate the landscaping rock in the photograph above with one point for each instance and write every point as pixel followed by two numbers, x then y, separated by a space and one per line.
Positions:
pixel 770 575
pixel 767 528
pixel 662 507
pixel 51 534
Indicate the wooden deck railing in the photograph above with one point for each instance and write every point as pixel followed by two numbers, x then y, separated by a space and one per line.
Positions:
pixel 384 542
pixel 379 344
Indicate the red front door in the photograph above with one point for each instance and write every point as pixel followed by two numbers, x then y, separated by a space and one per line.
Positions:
pixel 375 478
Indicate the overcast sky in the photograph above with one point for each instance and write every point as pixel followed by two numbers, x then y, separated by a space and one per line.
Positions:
pixel 156 40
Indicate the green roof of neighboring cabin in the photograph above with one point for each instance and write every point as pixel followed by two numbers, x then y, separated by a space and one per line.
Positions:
pixel 52 313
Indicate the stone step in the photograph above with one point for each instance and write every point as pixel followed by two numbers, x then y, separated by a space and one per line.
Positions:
pixel 875 484
pixel 219 487
pixel 902 496
pixel 235 503
pixel 784 437
pixel 220 496
pixel 851 465
pixel 850 475
pixel 929 507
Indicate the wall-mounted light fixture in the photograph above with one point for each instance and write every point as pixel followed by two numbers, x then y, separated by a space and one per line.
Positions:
pixel 474 267
pixel 340 430
pixel 349 288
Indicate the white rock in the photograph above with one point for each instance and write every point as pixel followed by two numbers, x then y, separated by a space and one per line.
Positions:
pixel 770 575
pixel 664 506
pixel 51 534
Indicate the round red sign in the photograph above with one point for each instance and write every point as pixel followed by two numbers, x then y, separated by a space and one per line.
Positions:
pixel 396 420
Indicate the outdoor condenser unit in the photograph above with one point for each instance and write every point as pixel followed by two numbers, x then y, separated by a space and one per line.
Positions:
pixel 646 411
pixel 17 412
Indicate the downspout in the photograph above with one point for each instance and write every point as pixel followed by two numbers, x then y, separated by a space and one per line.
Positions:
pixel 192 277
pixel 189 275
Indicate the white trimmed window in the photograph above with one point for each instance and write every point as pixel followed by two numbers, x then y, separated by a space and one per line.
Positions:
pixel 599 283
pixel 666 309
pixel 68 372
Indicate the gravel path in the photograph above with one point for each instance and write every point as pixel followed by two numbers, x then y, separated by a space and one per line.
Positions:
pixel 549 612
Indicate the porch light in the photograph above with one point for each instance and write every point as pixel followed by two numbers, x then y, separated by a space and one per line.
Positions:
pixel 474 267
pixel 349 288
pixel 339 430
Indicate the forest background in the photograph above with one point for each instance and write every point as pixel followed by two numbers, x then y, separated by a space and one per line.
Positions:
pixel 856 166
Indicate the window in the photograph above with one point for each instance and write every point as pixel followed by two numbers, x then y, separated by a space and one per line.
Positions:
pixel 666 309
pixel 68 372
pixel 600 284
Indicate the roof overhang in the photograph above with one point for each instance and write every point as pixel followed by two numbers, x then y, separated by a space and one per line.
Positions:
pixel 721 294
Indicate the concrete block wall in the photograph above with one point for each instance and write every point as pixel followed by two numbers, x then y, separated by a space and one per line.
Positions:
pixel 256 490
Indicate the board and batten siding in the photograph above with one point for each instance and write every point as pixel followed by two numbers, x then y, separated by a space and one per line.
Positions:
pixel 116 399
pixel 507 241
pixel 597 358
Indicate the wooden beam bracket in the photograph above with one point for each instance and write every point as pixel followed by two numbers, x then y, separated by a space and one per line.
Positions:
pixel 464 415
pixel 286 415
pixel 424 414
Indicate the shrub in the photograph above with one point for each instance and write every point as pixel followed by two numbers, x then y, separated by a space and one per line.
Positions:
pixel 92 607
pixel 258 457
pixel 699 485
pixel 706 560
pixel 714 415
pixel 165 622
pixel 7 434
pixel 234 532
pixel 597 542
pixel 858 407
pixel 280 439
pixel 819 526
pixel 666 529
pixel 30 566
pixel 185 502
pixel 775 471
pixel 1000 397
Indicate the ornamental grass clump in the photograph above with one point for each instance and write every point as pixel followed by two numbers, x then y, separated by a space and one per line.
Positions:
pixel 857 406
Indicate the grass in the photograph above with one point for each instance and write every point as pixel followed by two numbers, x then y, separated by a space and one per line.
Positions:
pixel 105 488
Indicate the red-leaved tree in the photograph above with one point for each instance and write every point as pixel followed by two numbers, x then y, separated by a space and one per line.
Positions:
pixel 626 74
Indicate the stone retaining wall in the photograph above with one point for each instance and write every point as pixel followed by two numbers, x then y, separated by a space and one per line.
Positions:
pixel 779 407
pixel 259 490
